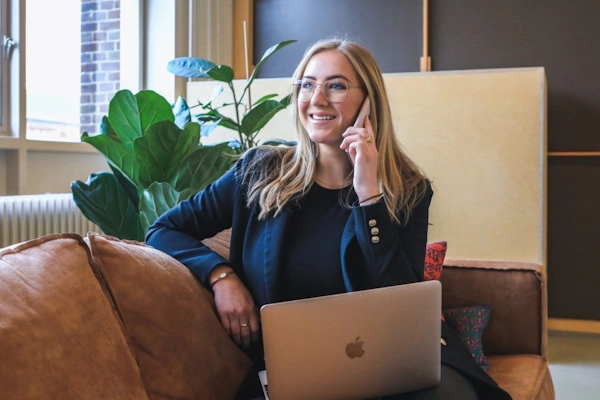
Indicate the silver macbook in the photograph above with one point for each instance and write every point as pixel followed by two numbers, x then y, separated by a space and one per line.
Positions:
pixel 354 345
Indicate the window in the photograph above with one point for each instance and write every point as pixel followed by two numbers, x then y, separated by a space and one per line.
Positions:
pixel 72 68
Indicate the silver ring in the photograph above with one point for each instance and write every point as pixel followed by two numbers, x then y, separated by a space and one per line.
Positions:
pixel 244 325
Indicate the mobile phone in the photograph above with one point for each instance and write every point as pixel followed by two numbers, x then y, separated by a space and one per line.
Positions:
pixel 365 110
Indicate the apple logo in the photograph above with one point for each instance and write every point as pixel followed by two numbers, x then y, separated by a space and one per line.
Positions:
pixel 355 349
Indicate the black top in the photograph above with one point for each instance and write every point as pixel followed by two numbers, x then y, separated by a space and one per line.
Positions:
pixel 311 263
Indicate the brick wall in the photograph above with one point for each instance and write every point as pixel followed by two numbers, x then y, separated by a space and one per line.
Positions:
pixel 100 59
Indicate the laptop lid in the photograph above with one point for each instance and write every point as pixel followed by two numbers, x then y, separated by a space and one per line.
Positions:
pixel 354 345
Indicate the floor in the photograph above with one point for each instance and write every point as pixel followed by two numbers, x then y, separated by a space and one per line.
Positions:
pixel 575 365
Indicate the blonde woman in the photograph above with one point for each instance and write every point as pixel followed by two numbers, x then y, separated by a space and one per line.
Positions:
pixel 302 217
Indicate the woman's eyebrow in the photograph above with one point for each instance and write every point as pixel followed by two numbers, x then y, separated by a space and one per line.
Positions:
pixel 337 76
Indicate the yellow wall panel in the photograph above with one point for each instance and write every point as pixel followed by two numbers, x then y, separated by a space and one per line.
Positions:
pixel 481 138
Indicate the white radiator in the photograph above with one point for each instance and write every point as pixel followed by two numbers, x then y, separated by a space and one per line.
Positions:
pixel 28 217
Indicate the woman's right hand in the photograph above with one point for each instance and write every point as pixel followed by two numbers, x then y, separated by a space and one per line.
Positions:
pixel 236 310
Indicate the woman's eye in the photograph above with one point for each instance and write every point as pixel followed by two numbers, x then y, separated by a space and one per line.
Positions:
pixel 307 85
pixel 336 85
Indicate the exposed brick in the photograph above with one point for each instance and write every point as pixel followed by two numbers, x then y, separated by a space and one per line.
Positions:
pixel 87 5
pixel 110 66
pixel 89 47
pixel 88 88
pixel 89 26
pixel 106 46
pixel 99 36
pixel 89 68
pixel 109 25
pixel 114 76
pixel 87 108
pixel 100 42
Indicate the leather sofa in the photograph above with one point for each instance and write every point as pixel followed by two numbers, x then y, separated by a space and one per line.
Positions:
pixel 102 318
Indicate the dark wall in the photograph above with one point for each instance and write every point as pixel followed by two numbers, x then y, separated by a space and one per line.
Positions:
pixel 561 36
pixel 391 29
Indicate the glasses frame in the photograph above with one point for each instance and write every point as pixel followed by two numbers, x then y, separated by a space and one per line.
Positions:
pixel 298 86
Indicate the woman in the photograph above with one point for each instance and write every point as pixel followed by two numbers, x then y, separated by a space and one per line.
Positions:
pixel 343 210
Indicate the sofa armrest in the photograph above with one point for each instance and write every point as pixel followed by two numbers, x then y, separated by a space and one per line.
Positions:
pixel 220 243
pixel 517 291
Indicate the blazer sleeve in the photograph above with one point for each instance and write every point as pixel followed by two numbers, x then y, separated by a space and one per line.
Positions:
pixel 179 232
pixel 391 253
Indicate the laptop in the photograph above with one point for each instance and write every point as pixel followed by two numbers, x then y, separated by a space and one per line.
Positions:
pixel 353 345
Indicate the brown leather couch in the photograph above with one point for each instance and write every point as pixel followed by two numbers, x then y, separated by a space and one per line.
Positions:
pixel 515 340
pixel 101 318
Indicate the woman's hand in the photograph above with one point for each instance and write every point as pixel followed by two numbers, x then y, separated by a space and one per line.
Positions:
pixel 359 143
pixel 236 310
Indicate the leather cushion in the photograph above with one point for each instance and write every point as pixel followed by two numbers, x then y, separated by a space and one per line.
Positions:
pixel 58 335
pixel 523 376
pixel 181 348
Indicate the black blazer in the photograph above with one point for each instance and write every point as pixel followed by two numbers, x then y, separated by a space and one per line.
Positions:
pixel 256 246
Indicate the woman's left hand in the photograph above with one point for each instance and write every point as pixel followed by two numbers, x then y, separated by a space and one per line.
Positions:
pixel 360 145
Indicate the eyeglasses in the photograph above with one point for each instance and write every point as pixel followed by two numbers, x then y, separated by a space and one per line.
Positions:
pixel 334 90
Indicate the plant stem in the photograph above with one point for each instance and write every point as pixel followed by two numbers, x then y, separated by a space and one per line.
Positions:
pixel 237 117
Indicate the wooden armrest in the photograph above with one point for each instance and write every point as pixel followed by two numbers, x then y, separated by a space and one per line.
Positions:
pixel 517 293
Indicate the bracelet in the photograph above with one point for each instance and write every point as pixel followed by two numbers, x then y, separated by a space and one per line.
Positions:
pixel 371 198
pixel 222 276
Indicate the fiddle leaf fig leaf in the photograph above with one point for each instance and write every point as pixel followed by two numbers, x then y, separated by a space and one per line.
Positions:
pixel 161 151
pixel 258 117
pixel 190 67
pixel 221 73
pixel 118 156
pixel 286 101
pixel 104 202
pixel 203 166
pixel 182 112
pixel 153 108
pixel 268 53
pixel 158 199
pixel 131 115
pixel 265 98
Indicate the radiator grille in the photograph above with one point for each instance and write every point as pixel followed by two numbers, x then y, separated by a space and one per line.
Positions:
pixel 24 218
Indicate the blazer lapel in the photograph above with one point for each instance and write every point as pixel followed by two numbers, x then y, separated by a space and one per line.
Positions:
pixel 274 244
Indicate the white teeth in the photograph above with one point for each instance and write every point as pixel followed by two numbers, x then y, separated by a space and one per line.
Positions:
pixel 322 118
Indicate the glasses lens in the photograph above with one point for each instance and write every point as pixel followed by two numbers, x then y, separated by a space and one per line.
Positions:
pixel 305 90
pixel 335 90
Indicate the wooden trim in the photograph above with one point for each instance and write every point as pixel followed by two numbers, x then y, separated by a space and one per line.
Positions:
pixel 425 60
pixel 574 154
pixel 573 325
pixel 243 10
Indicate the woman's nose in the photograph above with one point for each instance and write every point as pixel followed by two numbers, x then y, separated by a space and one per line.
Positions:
pixel 318 97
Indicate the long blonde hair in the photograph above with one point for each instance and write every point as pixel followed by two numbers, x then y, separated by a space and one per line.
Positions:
pixel 279 175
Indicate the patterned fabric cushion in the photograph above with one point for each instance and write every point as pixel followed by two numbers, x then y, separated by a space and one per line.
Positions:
pixel 469 323
pixel 434 260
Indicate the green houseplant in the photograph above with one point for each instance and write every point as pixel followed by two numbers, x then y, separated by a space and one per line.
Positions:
pixel 155 153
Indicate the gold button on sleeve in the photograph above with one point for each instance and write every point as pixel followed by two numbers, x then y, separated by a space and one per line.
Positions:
pixel 375 239
pixel 372 222
pixel 374 231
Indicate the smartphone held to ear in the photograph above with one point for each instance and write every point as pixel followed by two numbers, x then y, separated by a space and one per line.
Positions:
pixel 364 112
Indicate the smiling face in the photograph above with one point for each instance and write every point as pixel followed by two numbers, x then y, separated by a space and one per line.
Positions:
pixel 325 121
